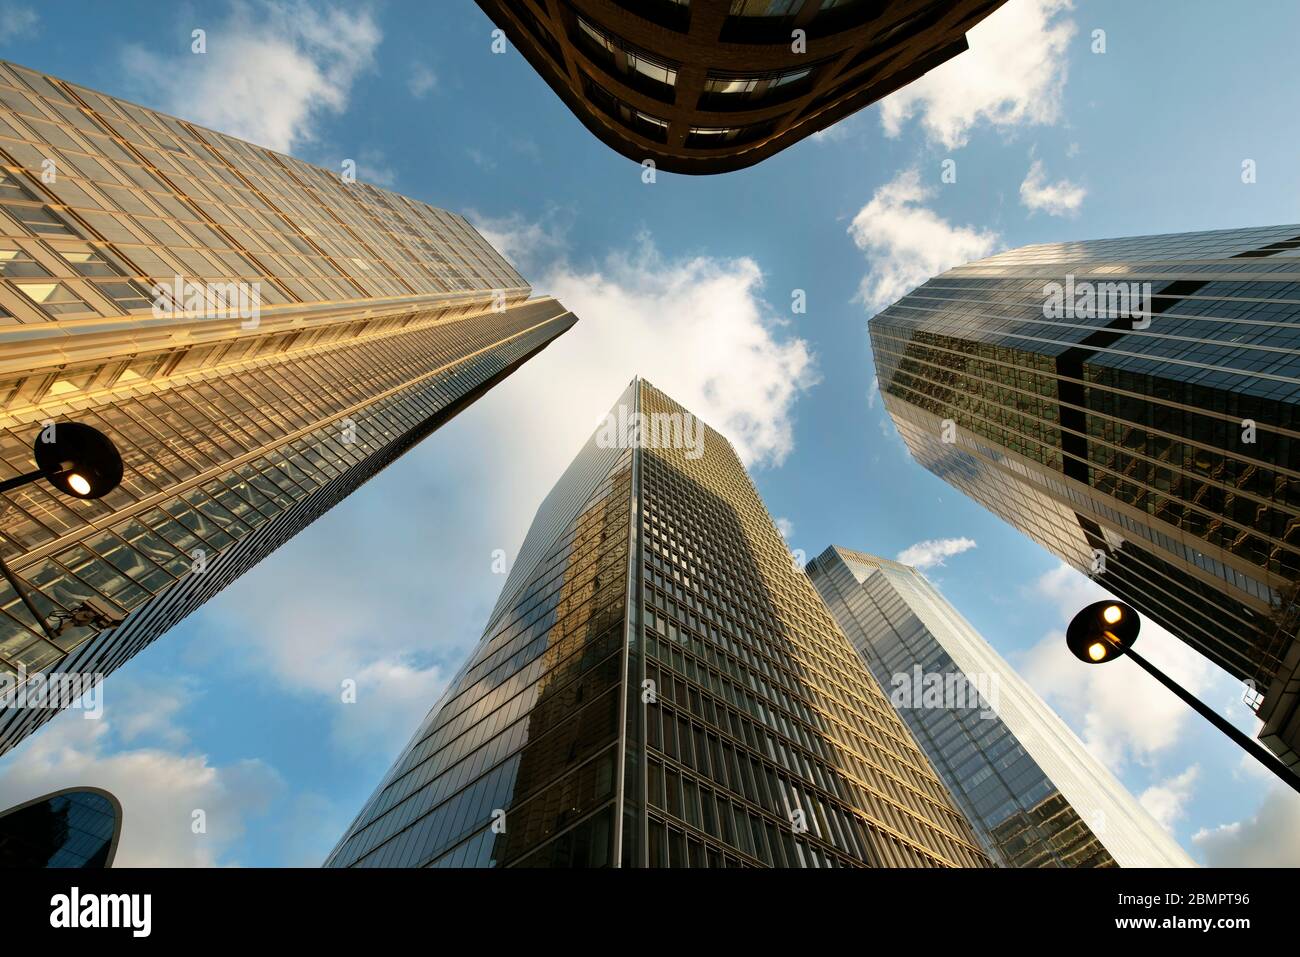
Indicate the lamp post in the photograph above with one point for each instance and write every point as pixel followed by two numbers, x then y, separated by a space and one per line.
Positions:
pixel 1106 630
pixel 77 460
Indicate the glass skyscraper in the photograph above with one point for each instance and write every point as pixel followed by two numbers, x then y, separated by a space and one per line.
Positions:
pixel 1029 787
pixel 1133 405
pixel 75 827
pixel 659 685
pixel 257 335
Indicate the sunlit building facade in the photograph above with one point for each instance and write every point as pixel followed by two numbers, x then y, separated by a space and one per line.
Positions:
pixel 257 335
pixel 1024 780
pixel 1133 405
pixel 659 685
pixel 708 86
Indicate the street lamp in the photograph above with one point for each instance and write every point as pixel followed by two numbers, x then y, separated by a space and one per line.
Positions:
pixel 77 460
pixel 1106 630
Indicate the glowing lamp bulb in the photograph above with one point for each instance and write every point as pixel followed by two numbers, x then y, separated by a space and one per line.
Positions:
pixel 1096 651
pixel 1112 614
pixel 78 484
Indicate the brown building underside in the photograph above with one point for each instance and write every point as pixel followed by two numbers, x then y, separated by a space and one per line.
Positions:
pixel 703 120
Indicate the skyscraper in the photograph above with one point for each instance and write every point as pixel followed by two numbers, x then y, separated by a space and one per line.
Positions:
pixel 1033 793
pixel 709 86
pixel 658 685
pixel 1132 405
pixel 257 335
pixel 75 827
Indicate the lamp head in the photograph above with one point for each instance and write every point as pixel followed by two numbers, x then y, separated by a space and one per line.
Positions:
pixel 1102 632
pixel 78 460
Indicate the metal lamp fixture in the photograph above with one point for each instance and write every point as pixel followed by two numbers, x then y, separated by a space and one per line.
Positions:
pixel 77 460
pixel 1106 630
pixel 1102 632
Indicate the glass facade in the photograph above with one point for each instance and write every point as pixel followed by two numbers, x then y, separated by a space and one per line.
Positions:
pixel 659 686
pixel 1156 449
pixel 366 319
pixel 78 827
pixel 1034 795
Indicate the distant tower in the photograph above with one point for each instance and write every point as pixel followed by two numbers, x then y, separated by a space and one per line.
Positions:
pixel 1033 793
pixel 659 685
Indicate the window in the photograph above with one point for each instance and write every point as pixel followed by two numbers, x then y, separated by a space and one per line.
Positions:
pixel 765 8
pixel 87 260
pixel 126 294
pixel 37 219
pixel 741 90
pixel 17 262
pixel 54 297
pixel 629 58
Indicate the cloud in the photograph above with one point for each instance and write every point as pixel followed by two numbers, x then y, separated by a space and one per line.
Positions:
pixel 907 243
pixel 160 789
pixel 1167 801
pixel 373 167
pixel 1270 838
pixel 698 328
pixel 145 708
pixel 270 74
pixel 1013 74
pixel 352 632
pixel 422 81
pixel 785 527
pixel 531 245
pixel 482 160
pixel 930 553
pixel 17 21
pixel 1056 199
pixel 1119 711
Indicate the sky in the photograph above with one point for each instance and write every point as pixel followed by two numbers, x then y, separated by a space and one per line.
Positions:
pixel 228 740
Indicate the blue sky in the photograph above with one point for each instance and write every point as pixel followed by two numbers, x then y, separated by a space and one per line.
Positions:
pixel 688 281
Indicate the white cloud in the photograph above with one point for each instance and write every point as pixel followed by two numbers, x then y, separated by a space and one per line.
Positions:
pixel 481 159
pixel 305 624
pixel 148 708
pixel 159 789
pixel 270 73
pixel 373 167
pixel 1167 801
pixel 1119 710
pixel 17 21
pixel 696 328
pixel 1013 74
pixel 1270 838
pixel 906 243
pixel 930 553
pixel 785 527
pixel 834 133
pixel 422 81
pixel 531 245
pixel 1056 199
